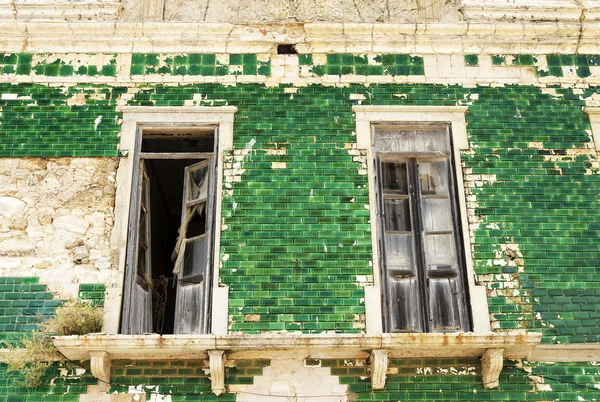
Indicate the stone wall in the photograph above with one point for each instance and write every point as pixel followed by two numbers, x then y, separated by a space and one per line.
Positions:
pixel 56 215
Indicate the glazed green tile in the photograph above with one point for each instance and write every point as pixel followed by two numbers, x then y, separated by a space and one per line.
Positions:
pixel 523 60
pixel 498 60
pixel 236 59
pixel 334 59
pixel 305 59
pixel 138 58
pixel 583 71
pixel 264 68
pixel 208 59
pixel 553 60
pixel 471 60
pixel 555 71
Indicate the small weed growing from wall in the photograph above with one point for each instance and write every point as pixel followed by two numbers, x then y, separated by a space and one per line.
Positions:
pixel 37 353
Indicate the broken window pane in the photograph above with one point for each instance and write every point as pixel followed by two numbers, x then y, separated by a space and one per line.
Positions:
pixel 194 259
pixel 411 141
pixel 439 249
pixel 436 214
pixel 394 178
pixel 433 178
pixel 397 215
pixel 198 183
pixel 398 252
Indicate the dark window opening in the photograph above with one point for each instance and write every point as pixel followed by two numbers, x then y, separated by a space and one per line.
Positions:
pixel 170 235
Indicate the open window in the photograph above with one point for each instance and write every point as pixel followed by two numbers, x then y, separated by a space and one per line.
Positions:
pixel 168 272
pixel 421 247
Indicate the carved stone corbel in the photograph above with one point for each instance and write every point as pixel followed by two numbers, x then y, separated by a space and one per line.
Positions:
pixel 379 365
pixel 100 366
pixel 217 371
pixel 492 362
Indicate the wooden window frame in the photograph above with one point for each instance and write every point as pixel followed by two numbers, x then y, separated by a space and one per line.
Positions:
pixel 416 231
pixel 366 117
pixel 150 119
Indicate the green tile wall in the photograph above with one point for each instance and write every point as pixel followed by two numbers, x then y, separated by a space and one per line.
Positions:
pixel 58 65
pixel 553 65
pixel 199 64
pixel 181 380
pixel 37 121
pixel 298 238
pixel 24 302
pixel 61 384
pixel 460 380
pixel 361 64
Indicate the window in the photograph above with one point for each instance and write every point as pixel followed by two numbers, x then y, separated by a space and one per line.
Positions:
pixel 422 267
pixel 173 169
pixel 420 245
pixel 170 236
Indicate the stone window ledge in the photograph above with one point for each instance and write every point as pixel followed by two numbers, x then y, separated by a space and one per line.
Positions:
pixel 491 347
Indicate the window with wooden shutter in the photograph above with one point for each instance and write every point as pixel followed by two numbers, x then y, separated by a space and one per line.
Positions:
pixel 421 247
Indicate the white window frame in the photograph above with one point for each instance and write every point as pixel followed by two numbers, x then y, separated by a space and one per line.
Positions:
pixel 594 116
pixel 154 117
pixel 455 115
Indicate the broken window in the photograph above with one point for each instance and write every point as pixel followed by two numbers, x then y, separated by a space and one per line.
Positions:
pixel 421 259
pixel 170 241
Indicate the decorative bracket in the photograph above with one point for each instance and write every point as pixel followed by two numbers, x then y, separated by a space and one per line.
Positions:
pixel 379 365
pixel 492 362
pixel 217 371
pixel 100 366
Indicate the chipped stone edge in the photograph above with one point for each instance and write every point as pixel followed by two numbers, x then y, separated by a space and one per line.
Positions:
pixel 461 37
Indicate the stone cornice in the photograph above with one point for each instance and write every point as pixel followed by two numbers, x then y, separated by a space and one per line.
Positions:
pixel 540 10
pixel 106 37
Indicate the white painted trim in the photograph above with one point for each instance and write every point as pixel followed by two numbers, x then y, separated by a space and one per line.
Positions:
pixel 565 37
pixel 220 310
pixel 594 115
pixel 164 117
pixel 455 115
pixel 373 308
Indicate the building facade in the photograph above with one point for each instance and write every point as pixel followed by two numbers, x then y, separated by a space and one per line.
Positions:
pixel 304 200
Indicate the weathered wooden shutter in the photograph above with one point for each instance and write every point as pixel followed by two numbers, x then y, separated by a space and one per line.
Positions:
pixel 421 270
pixel 404 310
pixel 438 235
pixel 194 252
pixel 137 303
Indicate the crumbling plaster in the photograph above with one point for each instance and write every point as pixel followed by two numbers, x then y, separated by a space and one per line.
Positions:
pixel 55 218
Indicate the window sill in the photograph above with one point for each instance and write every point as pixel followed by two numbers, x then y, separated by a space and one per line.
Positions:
pixel 492 347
